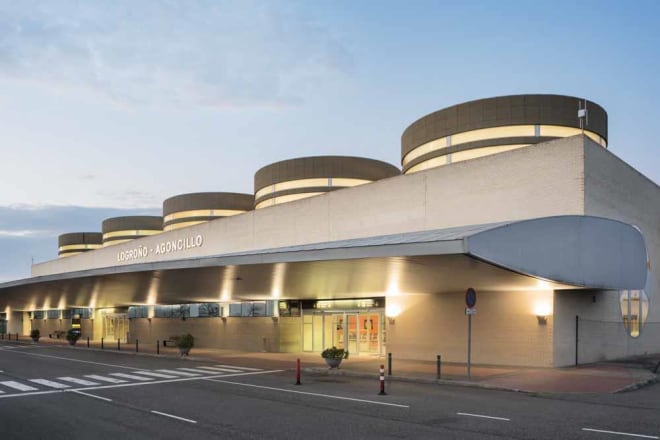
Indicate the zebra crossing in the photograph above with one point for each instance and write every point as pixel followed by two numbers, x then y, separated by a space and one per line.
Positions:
pixel 13 387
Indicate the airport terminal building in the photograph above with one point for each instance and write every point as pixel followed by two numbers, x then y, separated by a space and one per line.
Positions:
pixel 517 197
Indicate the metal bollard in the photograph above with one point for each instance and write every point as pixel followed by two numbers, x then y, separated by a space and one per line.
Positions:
pixel 101 343
pixel 157 346
pixel 382 381
pixel 87 341
pixel 389 364
pixel 438 365
pixel 298 372
pixel 118 344
pixel 136 346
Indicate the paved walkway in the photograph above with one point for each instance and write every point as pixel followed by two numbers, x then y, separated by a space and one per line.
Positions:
pixel 607 377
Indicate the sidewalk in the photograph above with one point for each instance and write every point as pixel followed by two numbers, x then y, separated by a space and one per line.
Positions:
pixel 605 377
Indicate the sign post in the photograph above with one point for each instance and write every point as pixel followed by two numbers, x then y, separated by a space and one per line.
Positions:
pixel 470 302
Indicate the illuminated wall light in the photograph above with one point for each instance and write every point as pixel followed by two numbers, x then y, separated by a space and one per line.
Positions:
pixel 392 310
pixel 154 285
pixel 542 310
pixel 279 272
pixel 228 280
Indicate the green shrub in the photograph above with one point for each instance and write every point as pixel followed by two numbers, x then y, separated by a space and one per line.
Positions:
pixel 185 341
pixel 73 334
pixel 334 353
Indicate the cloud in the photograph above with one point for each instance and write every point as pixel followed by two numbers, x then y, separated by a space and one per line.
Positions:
pixel 210 53
pixel 22 233
pixel 130 197
pixel 29 232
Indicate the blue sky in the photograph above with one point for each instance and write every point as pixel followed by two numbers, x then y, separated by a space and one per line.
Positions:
pixel 100 101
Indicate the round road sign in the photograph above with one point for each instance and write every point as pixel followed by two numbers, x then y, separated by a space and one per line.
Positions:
pixel 470 298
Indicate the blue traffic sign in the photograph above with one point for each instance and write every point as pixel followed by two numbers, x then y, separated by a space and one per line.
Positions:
pixel 470 298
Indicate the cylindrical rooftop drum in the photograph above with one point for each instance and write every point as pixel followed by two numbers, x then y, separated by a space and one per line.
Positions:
pixel 74 243
pixel 494 125
pixel 192 209
pixel 118 230
pixel 303 177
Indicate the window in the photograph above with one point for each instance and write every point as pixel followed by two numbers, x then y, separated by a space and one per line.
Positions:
pixel 634 310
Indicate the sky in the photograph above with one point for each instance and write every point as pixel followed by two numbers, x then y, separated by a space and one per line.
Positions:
pixel 108 108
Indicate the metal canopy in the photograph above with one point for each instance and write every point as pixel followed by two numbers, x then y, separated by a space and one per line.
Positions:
pixel 495 257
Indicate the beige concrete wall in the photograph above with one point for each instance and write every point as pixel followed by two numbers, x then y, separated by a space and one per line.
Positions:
pixel 540 180
pixel 234 333
pixel 615 190
pixel 601 334
pixel 505 330
pixel 49 326
pixel 15 322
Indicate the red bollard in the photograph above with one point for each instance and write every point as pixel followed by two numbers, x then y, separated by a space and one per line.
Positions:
pixel 382 381
pixel 298 372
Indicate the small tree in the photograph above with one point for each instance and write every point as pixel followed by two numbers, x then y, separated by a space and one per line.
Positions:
pixel 185 342
pixel 73 335
pixel 35 335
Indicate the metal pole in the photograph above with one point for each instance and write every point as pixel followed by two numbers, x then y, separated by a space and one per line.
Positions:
pixel 577 330
pixel 438 365
pixel 101 343
pixel 136 346
pixel 157 346
pixel 87 341
pixel 469 347
pixel 118 344
pixel 298 372
pixel 382 381
pixel 389 364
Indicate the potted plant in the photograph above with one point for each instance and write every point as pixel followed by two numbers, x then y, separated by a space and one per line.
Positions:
pixel 73 335
pixel 35 335
pixel 185 342
pixel 333 356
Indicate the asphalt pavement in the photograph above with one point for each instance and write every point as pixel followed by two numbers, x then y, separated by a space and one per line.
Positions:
pixel 50 390
pixel 604 377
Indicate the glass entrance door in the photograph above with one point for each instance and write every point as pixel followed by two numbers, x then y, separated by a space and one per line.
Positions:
pixel 115 325
pixel 352 332
pixel 368 330
pixel 357 332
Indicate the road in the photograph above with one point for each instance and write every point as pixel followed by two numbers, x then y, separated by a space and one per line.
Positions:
pixel 55 392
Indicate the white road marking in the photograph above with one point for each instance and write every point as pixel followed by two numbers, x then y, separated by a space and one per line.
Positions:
pixel 173 416
pixel 81 361
pixel 240 368
pixel 329 396
pixel 131 376
pixel 621 433
pixel 134 384
pixel 91 395
pixel 194 370
pixel 178 373
pixel 75 380
pixel 105 379
pixel 151 373
pixel 483 417
pixel 221 370
pixel 50 383
pixel 17 386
